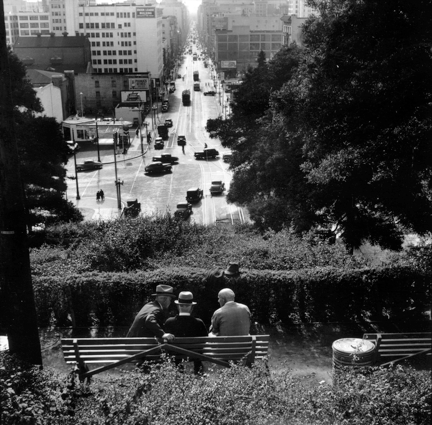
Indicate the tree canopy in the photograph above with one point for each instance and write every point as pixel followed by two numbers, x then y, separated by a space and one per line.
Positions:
pixel 42 154
pixel 345 139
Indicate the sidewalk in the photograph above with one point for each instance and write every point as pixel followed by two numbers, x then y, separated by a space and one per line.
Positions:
pixel 98 210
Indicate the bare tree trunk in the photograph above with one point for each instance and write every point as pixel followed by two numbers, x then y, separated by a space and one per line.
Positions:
pixel 15 277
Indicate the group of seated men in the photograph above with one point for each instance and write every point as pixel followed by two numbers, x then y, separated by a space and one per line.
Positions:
pixel 231 319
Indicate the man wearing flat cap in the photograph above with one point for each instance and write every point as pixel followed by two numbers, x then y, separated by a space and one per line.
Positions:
pixel 184 325
pixel 150 319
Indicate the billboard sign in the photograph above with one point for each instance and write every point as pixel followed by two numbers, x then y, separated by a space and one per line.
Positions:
pixel 133 96
pixel 139 83
pixel 146 12
pixel 229 64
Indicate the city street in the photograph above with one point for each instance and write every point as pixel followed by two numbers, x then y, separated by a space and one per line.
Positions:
pixel 160 193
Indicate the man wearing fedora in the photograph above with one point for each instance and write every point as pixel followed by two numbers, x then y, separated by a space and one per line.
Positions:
pixel 184 325
pixel 232 318
pixel 150 319
pixel 232 270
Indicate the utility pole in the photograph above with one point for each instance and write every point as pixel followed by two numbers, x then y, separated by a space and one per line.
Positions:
pixel 16 290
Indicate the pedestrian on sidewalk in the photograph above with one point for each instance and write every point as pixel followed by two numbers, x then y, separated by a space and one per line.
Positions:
pixel 102 195
pixel 97 196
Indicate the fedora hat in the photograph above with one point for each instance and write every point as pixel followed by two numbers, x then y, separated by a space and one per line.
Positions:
pixel 185 297
pixel 166 290
pixel 232 269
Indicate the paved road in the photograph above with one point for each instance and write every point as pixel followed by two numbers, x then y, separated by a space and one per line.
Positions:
pixel 161 193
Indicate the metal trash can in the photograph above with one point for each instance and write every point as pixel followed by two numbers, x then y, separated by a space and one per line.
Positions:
pixel 352 352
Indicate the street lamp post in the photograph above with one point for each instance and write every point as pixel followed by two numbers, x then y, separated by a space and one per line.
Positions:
pixel 97 138
pixel 117 182
pixel 140 125
pixel 154 116
pixel 82 111
pixel 75 163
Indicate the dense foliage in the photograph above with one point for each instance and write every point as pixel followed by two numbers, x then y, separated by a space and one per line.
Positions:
pixel 156 242
pixel 237 395
pixel 341 139
pixel 42 153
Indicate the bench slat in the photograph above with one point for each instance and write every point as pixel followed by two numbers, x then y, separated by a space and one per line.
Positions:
pixel 400 345
pixel 152 341
pixel 113 352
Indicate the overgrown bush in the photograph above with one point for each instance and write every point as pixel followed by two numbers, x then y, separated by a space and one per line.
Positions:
pixel 29 395
pixel 157 242
pixel 289 297
pixel 238 395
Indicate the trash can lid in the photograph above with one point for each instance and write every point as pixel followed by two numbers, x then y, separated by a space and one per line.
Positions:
pixel 353 345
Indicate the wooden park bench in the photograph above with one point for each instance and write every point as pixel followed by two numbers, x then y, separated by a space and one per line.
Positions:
pixel 113 352
pixel 394 347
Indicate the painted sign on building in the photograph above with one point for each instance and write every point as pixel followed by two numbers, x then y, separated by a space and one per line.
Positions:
pixel 133 96
pixel 139 83
pixel 146 12
pixel 229 64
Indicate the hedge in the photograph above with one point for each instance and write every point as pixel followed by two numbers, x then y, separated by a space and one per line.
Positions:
pixel 287 297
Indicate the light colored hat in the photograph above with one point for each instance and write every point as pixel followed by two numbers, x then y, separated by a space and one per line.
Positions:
pixel 164 290
pixel 232 269
pixel 185 297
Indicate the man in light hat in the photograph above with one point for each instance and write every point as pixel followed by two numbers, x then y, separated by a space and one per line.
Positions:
pixel 150 319
pixel 184 325
pixel 231 319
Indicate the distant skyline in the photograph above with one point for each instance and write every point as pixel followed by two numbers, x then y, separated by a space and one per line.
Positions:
pixel 192 5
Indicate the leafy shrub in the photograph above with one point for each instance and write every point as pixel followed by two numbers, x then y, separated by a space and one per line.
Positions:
pixel 156 242
pixel 29 395
pixel 314 295
pixel 238 395
pixel 255 396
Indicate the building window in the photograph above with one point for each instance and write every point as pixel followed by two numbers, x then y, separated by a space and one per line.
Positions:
pixel 97 84
pixel 113 83
pixel 23 18
pixel 98 95
pixel 114 94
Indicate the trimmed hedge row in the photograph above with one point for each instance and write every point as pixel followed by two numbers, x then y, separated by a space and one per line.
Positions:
pixel 318 295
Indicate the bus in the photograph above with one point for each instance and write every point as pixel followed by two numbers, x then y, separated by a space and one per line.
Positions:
pixel 186 97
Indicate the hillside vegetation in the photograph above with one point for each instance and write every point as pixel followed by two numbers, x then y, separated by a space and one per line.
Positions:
pixel 149 243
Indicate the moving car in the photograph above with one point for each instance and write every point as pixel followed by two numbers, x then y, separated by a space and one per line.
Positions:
pixel 194 195
pixel 168 123
pixel 216 187
pixel 159 143
pixel 163 131
pixel 165 158
pixel 210 93
pixel 206 154
pixel 196 87
pixel 158 168
pixel 89 165
pixel 184 210
pixel 181 140
pixel 133 209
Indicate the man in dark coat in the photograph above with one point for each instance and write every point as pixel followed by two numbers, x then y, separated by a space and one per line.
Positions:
pixel 184 325
pixel 150 319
